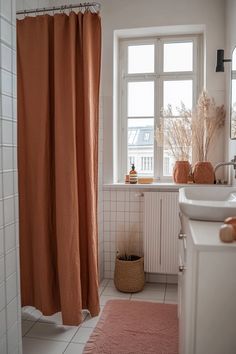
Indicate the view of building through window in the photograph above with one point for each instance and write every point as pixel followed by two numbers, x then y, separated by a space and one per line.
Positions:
pixel 140 151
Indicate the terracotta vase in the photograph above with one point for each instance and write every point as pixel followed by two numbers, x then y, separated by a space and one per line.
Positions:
pixel 203 173
pixel 181 171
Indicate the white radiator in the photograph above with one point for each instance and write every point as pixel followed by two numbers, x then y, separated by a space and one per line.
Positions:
pixel 161 227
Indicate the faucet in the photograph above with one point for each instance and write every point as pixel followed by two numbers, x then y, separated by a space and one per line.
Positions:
pixel 231 163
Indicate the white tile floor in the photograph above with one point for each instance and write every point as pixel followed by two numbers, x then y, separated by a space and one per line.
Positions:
pixel 47 335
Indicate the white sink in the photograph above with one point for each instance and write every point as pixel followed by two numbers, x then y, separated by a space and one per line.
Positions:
pixel 208 203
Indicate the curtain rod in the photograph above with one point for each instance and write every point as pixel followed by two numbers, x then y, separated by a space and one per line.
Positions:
pixel 95 5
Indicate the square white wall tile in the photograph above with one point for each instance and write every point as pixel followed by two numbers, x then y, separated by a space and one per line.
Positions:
pixel 14 61
pixel 16 205
pixel 3 345
pixel 15 158
pixel 1 243
pixel 13 339
pixel 1 213
pixel 13 37
pixel 14 128
pixel 2 296
pixel 6 7
pixel 10 237
pixel 14 117
pixel 11 313
pixel 7 132
pixel 6 34
pixel 14 83
pixel 8 184
pixel 11 263
pixel 3 327
pixel 7 82
pixel 11 285
pixel 7 106
pixel 8 210
pixel 6 57
pixel 7 158
pixel 2 269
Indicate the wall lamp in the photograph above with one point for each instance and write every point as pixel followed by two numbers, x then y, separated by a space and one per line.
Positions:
pixel 221 60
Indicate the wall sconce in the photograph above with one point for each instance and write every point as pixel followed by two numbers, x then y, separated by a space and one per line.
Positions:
pixel 221 60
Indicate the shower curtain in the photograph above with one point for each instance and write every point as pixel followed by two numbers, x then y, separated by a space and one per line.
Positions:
pixel 58 97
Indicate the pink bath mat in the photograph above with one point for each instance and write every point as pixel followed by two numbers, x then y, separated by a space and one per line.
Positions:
pixel 135 327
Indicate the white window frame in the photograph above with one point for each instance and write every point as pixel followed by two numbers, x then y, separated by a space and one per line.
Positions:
pixel 158 77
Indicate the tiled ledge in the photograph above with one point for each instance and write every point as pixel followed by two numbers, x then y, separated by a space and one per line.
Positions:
pixel 154 186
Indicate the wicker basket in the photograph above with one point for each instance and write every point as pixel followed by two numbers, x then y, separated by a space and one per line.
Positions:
pixel 129 275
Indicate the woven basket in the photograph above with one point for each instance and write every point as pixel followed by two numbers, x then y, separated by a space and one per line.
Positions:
pixel 129 275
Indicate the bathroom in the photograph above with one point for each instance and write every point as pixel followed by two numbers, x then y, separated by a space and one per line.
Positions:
pixel 143 216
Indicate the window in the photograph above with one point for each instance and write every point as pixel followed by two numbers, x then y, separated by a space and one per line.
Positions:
pixel 155 74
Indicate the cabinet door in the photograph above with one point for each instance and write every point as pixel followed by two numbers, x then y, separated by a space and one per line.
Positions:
pixel 170 227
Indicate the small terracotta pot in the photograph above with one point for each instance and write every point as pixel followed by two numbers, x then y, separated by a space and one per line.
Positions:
pixel 181 171
pixel 232 221
pixel 203 173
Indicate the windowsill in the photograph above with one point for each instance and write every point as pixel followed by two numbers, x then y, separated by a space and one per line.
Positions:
pixel 151 186
pixel 167 186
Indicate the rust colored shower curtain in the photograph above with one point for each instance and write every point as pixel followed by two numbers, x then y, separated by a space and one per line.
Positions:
pixel 58 97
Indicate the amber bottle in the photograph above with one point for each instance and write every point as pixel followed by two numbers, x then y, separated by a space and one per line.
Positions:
pixel 133 176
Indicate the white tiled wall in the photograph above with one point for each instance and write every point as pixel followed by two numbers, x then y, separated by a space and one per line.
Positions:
pixel 10 323
pixel 123 216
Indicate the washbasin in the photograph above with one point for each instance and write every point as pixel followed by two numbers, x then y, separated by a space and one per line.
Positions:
pixel 213 203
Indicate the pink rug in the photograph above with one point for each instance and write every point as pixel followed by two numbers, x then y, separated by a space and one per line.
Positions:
pixel 135 327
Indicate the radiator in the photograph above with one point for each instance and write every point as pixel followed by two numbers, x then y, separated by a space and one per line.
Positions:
pixel 161 227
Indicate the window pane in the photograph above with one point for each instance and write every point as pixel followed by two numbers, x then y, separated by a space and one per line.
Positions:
pixel 141 59
pixel 178 57
pixel 141 99
pixel 177 93
pixel 177 142
pixel 140 145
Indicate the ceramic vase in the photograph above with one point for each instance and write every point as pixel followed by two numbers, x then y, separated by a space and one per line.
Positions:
pixel 203 173
pixel 181 171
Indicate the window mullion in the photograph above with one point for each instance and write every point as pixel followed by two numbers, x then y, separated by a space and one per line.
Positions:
pixel 158 150
pixel 124 129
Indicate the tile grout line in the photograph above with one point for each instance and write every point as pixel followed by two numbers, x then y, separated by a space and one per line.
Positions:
pixel 49 339
pixel 28 329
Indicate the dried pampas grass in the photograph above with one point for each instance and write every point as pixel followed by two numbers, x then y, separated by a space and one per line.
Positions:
pixel 197 129
pixel 175 132
pixel 207 119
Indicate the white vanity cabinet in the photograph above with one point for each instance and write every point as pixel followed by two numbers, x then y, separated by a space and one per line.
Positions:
pixel 207 291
